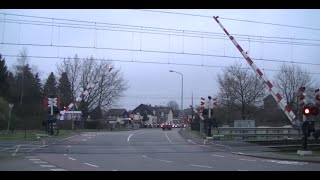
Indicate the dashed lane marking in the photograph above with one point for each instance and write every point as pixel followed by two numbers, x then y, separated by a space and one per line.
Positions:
pixel 40 162
pixel 15 152
pixel 72 158
pixel 34 159
pixel 129 137
pixel 57 169
pixel 286 162
pixel 191 141
pixel 91 165
pixel 47 165
pixel 196 165
pixel 215 155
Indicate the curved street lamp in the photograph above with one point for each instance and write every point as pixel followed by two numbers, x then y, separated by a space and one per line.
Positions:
pixel 181 91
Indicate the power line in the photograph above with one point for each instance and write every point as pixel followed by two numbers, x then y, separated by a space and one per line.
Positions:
pixel 137 61
pixel 155 51
pixel 161 32
pixel 146 27
pixel 231 19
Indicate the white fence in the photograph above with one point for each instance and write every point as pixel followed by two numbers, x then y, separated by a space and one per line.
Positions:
pixel 258 133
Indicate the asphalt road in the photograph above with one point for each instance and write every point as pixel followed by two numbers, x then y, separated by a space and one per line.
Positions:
pixel 139 150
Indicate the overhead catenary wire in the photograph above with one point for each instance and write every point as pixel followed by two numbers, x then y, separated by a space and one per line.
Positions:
pixel 145 31
pixel 91 23
pixel 231 19
pixel 157 51
pixel 136 61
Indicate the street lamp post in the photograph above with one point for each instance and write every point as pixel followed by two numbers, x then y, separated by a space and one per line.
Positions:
pixel 181 91
pixel 10 106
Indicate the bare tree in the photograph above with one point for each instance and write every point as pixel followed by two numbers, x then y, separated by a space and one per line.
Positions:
pixel 174 105
pixel 240 89
pixel 288 81
pixel 108 88
pixel 73 69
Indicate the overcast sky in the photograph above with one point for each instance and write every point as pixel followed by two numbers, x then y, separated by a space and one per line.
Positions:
pixel 153 83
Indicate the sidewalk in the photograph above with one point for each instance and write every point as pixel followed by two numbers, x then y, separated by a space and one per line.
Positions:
pixel 292 156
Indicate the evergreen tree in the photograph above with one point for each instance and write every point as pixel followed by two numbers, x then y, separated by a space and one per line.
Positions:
pixel 50 87
pixel 64 90
pixel 4 84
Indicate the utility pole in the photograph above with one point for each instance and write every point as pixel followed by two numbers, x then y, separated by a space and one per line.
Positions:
pixel 192 123
pixel 10 106
pixel 209 116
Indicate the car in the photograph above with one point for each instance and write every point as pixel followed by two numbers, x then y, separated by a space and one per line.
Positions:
pixel 165 126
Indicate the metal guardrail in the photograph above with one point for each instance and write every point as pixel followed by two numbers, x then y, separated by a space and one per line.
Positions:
pixel 259 133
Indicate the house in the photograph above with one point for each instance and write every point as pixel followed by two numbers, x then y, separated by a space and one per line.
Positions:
pixel 152 115
pixel 272 114
pixel 164 114
pixel 117 115
pixel 269 103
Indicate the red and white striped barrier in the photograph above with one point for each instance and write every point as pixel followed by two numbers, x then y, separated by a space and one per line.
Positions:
pixel 284 106
pixel 201 117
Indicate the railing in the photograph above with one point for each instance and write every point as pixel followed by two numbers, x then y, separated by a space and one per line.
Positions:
pixel 257 133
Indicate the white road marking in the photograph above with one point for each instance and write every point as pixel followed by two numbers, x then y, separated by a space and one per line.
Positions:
pixel 47 165
pixel 247 160
pixel 114 170
pixel 237 153
pixel 35 159
pixel 68 137
pixel 191 141
pixel 129 137
pixel 15 152
pixel 287 162
pixel 72 158
pixel 40 162
pixel 57 169
pixel 217 155
pixel 91 165
pixel 14 146
pixel 37 148
pixel 64 154
pixel 84 140
pixel 5 149
pixel 200 166
pixel 242 170
pixel 156 159
pixel 166 134
pixel 68 147
pixel 89 137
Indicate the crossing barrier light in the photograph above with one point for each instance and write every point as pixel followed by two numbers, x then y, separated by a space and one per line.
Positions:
pixel 315 111
pixel 308 111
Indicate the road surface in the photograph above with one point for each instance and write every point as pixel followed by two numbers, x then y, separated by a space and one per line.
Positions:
pixel 139 150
